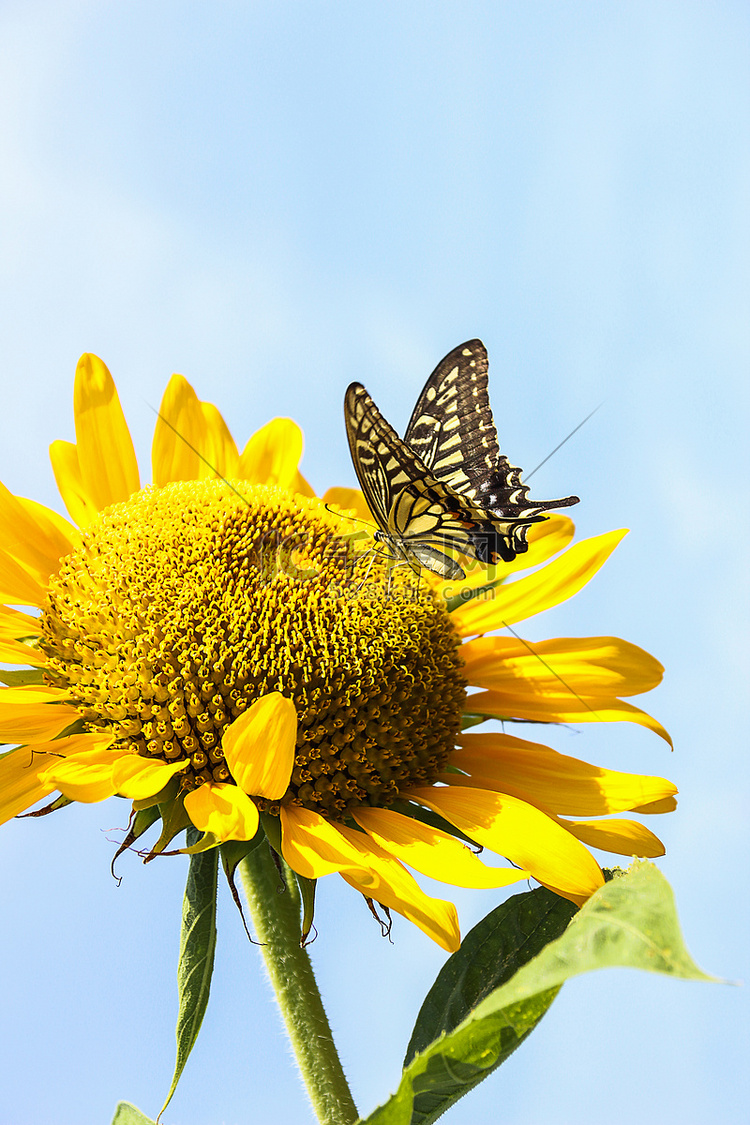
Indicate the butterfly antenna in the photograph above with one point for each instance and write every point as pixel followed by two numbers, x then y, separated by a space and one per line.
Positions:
pixel 528 476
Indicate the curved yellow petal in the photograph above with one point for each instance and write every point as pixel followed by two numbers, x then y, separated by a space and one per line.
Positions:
pixel 18 585
pixel 12 653
pixel 382 878
pixel 179 435
pixel 64 536
pixel 432 852
pixel 573 709
pixel 30 534
pixel 623 837
pixel 522 833
pixel 301 486
pixel 17 626
pixel 545 540
pixel 590 666
pixel 312 846
pixel 224 811
pixel 259 746
pixel 272 455
pixel 136 777
pixel 33 714
pixel 349 500
pixel 554 583
pixel 67 470
pixel 554 782
pixel 85 775
pixel 109 470
pixel 668 804
pixel 20 787
pixel 220 448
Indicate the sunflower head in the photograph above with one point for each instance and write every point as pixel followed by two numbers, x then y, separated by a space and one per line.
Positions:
pixel 186 604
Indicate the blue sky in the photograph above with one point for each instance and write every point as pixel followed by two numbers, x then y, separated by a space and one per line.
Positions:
pixel 274 200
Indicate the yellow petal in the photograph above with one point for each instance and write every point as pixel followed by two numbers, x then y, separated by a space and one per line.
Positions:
pixel 67 470
pixel 349 500
pixel 573 709
pixel 545 539
pixel 301 486
pixel 58 531
pixel 431 851
pixel 17 626
pixel 220 448
pixel 33 714
pixel 12 653
pixel 136 777
pixel 668 804
pixel 272 455
pixel 312 846
pixel 383 879
pixel 109 470
pixel 180 433
pixel 623 837
pixel 85 775
pixel 20 787
pixel 554 583
pixel 590 666
pixel 259 746
pixel 31 536
pixel 222 810
pixel 18 585
pixel 551 781
pixel 522 833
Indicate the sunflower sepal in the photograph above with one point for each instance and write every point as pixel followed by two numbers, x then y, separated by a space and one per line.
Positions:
pixel 140 823
pixel 60 802
pixel 271 825
pixel 307 889
pixel 175 819
pixel 168 793
pixel 207 841
pixel 234 851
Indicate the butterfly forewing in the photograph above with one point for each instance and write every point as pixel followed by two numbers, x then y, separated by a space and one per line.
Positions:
pixel 416 513
pixel 451 426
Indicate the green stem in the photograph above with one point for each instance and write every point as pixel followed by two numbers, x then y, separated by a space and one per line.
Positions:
pixel 276 919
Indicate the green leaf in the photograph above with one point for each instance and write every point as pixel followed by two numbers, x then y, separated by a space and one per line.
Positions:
pixel 127 1114
pixel 490 954
pixel 22 678
pixel 197 947
pixel 629 922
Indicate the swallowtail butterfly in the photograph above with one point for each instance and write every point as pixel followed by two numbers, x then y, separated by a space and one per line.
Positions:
pixel 446 484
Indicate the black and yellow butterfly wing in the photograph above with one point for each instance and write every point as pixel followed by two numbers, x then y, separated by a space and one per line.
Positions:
pixel 453 431
pixel 419 517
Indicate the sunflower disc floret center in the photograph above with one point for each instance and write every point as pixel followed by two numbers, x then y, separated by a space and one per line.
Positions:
pixel 186 604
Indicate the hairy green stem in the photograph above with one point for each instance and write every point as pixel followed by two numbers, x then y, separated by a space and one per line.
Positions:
pixel 275 915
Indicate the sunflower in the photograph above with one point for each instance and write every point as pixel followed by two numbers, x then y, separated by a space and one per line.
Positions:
pixel 214 648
